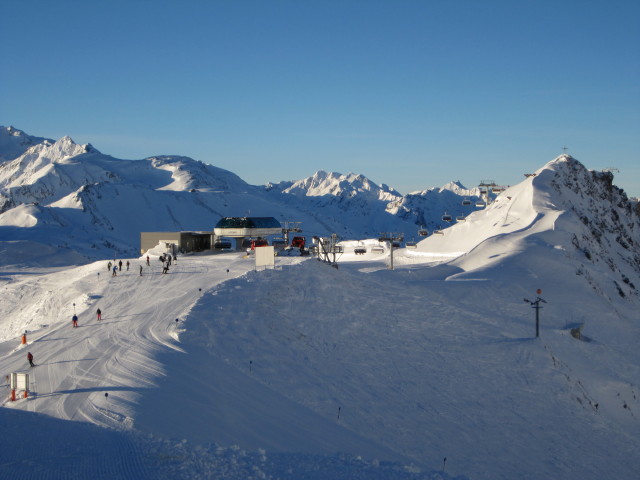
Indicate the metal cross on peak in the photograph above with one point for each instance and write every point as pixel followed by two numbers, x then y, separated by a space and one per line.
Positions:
pixel 565 149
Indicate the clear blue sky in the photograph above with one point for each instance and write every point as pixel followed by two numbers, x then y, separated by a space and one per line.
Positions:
pixel 409 93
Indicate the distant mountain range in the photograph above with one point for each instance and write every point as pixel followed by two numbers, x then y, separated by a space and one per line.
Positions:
pixel 74 198
pixel 61 198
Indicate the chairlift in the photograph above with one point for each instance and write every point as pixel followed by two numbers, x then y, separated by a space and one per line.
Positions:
pixel 423 232
pixel 438 232
pixel 481 204
pixel 446 217
pixel 466 201
pixel 411 245
pixel 377 250
pixel 461 218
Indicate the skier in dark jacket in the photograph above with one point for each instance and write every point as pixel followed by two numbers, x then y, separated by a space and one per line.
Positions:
pixel 99 314
pixel 120 265
pixel 30 358
pixel 74 321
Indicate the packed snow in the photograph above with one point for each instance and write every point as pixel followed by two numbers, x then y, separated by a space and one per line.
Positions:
pixel 431 370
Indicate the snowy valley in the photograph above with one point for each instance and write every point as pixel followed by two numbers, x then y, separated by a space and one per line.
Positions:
pixel 431 370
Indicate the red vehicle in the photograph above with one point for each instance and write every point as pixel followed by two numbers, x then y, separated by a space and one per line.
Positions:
pixel 260 242
pixel 298 242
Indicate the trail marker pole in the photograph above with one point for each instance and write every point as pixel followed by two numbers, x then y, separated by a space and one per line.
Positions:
pixel 250 367
pixel 339 409
pixel 444 464
pixel 74 308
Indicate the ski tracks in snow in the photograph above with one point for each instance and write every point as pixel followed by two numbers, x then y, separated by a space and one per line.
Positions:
pixel 96 372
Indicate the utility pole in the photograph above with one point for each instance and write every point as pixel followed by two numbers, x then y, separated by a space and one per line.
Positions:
pixel 536 305
pixel 391 237
pixel 328 248
pixel 288 227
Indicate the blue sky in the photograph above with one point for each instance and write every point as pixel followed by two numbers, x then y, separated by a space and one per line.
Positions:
pixel 409 93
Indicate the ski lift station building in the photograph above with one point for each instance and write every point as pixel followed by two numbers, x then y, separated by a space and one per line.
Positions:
pixel 238 228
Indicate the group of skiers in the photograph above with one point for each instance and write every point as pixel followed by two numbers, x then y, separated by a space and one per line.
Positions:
pixel 74 324
pixel 114 268
pixel 166 261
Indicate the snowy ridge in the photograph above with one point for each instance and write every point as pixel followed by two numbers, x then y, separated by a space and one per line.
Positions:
pixel 14 142
pixel 335 184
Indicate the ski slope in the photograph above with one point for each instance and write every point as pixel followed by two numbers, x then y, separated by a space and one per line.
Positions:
pixel 311 360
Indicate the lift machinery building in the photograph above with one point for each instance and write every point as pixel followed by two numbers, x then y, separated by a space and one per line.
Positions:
pixel 237 228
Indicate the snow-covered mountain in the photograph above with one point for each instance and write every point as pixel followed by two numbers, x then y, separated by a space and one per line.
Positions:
pixel 430 371
pixel 576 212
pixel 14 142
pixel 428 207
pixel 90 205
pixel 356 207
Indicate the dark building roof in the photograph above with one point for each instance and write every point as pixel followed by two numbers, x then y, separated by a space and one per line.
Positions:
pixel 248 222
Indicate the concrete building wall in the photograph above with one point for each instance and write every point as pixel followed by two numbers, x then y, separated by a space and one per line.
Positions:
pixel 149 240
pixel 185 241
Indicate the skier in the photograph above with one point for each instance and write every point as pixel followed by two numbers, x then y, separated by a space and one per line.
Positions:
pixel 140 270
pixel 175 259
pixel 115 271
pixel 109 267
pixel 120 265
pixel 127 265
pixel 74 320
pixel 30 358
pixel 147 260
pixel 99 314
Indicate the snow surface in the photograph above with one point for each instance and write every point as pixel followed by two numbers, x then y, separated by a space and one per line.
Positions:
pixel 311 372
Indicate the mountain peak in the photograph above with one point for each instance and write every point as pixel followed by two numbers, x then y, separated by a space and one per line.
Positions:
pixel 15 142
